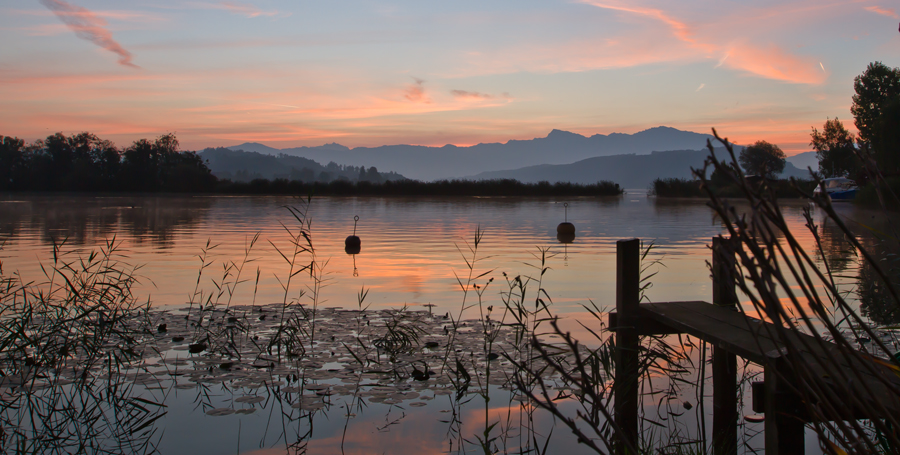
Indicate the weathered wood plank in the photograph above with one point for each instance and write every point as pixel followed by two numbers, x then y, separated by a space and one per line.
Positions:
pixel 724 362
pixel 625 388
pixel 871 383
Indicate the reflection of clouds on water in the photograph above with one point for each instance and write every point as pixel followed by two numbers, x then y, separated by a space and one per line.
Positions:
pixel 412 284
pixel 410 253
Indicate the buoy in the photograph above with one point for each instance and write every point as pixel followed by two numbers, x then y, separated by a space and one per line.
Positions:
pixel 565 238
pixel 566 228
pixel 353 245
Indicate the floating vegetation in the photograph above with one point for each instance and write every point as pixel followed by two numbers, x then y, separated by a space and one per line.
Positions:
pixel 386 349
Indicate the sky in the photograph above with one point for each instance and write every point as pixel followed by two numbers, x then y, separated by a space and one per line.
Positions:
pixel 370 73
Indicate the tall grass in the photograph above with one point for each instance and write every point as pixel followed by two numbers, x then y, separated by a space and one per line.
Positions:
pixel 69 344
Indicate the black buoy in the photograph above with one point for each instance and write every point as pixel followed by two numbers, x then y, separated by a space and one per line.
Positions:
pixel 565 238
pixel 566 229
pixel 352 245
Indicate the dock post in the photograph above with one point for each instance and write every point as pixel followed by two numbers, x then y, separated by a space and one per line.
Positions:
pixel 784 429
pixel 724 363
pixel 628 279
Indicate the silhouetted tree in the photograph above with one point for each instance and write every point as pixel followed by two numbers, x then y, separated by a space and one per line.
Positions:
pixel 886 142
pixel 876 109
pixel 762 159
pixel 875 87
pixel 835 147
pixel 11 160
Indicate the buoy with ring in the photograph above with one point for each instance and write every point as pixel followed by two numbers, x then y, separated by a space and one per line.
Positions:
pixel 565 232
pixel 352 245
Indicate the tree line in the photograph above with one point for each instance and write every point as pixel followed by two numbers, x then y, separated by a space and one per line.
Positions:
pixel 407 187
pixel 84 162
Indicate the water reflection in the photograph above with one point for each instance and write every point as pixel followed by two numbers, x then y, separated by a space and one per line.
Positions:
pixel 839 252
pixel 91 220
pixel 346 396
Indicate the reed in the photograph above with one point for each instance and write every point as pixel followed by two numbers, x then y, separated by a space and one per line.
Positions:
pixel 69 347
pixel 783 282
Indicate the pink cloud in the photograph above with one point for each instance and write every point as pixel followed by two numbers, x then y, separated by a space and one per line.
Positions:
pixel 680 29
pixel 88 26
pixel 245 9
pixel 464 95
pixel 416 92
pixel 889 12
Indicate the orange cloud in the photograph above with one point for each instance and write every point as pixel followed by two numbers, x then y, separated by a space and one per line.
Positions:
pixel 771 63
pixel 889 12
pixel 88 26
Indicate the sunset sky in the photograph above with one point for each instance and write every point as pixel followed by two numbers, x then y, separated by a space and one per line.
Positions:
pixel 368 73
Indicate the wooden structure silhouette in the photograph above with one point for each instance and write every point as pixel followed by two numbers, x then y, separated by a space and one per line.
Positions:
pixel 734 334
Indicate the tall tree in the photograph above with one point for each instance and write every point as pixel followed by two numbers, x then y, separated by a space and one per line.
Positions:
pixel 762 159
pixel 835 148
pixel 886 144
pixel 876 86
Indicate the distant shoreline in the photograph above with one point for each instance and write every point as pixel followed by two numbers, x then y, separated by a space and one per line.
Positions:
pixel 393 188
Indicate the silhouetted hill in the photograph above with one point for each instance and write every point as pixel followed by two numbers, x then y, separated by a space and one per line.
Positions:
pixel 629 171
pixel 449 161
pixel 804 160
pixel 243 166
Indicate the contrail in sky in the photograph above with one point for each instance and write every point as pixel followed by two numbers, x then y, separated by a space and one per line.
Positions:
pixel 88 26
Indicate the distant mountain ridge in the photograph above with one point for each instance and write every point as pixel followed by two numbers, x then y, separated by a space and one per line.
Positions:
pixel 447 162
pixel 630 171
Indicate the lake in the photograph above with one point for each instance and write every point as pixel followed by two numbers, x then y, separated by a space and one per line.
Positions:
pixel 415 256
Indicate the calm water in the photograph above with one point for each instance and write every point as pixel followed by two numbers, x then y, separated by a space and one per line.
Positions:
pixel 413 250
pixel 410 247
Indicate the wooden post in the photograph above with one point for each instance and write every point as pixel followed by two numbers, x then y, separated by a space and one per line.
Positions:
pixel 724 363
pixel 628 279
pixel 784 428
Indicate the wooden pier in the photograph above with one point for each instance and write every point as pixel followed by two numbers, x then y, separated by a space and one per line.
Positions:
pixel 733 334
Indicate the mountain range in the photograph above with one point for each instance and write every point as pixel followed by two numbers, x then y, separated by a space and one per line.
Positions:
pixel 629 171
pixel 632 160
pixel 448 162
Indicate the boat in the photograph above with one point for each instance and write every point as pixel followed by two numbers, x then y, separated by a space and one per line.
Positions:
pixel 838 188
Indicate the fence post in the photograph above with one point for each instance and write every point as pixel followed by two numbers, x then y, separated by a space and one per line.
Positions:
pixel 784 429
pixel 724 363
pixel 628 279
